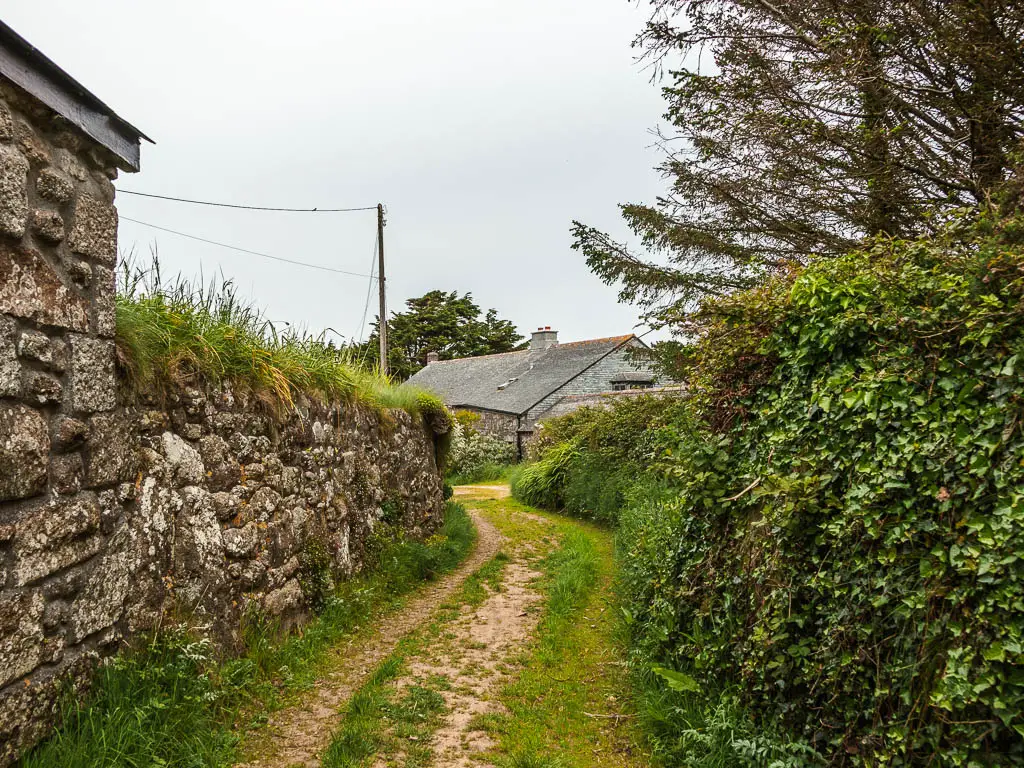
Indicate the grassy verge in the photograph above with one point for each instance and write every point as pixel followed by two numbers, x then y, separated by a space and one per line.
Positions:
pixel 571 705
pixel 172 704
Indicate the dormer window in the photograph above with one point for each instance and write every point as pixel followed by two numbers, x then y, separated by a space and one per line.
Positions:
pixel 632 380
pixel 622 386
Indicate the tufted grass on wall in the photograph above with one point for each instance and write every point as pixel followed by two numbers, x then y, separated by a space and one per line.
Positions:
pixel 184 333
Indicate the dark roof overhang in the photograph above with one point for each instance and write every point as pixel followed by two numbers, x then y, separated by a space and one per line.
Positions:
pixel 641 376
pixel 472 407
pixel 25 66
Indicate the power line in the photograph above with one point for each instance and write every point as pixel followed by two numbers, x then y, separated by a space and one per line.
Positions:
pixel 246 250
pixel 245 207
pixel 369 292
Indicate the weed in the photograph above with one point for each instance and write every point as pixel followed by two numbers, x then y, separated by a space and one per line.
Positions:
pixel 315 571
pixel 529 758
pixel 392 511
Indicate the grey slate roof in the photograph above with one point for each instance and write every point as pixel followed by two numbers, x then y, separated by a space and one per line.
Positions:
pixel 474 381
pixel 570 403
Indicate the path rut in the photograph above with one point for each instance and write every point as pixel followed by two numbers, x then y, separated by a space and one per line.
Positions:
pixel 476 664
pixel 295 736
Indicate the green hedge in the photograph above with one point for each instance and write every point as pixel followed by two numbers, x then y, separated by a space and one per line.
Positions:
pixel 589 459
pixel 837 549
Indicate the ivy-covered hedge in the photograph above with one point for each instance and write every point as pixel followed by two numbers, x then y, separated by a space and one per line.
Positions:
pixel 589 459
pixel 838 551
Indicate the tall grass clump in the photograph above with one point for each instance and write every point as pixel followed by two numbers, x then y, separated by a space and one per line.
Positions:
pixel 173 703
pixel 542 483
pixel 164 704
pixel 183 333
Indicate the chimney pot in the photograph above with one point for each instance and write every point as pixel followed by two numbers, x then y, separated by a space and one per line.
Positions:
pixel 543 338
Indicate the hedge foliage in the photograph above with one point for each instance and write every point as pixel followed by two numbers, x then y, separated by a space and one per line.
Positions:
pixel 589 459
pixel 837 546
pixel 474 456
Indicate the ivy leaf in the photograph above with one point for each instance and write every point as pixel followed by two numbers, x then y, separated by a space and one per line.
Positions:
pixel 994 652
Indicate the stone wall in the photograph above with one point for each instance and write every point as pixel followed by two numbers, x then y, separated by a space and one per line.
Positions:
pixel 117 514
pixel 58 231
pixel 496 424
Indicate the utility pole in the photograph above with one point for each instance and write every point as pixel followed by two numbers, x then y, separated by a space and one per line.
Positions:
pixel 382 324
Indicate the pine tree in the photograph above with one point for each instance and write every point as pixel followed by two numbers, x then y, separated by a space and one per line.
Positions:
pixel 441 322
pixel 801 127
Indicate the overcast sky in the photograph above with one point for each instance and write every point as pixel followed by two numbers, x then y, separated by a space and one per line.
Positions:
pixel 485 127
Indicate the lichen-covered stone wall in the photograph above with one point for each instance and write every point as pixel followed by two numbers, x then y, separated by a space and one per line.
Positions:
pixel 496 424
pixel 118 512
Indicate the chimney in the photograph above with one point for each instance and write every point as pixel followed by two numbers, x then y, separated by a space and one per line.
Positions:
pixel 432 357
pixel 543 338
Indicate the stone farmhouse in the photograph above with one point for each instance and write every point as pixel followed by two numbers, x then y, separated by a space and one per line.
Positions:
pixel 513 391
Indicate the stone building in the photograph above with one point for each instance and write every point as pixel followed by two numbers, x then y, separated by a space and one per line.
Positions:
pixel 513 391
pixel 60 148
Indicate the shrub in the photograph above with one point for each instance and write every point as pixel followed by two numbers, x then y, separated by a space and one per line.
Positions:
pixel 840 545
pixel 614 445
pixel 474 457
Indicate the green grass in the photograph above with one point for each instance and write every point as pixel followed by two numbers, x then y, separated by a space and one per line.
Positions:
pixel 168 336
pixel 173 704
pixel 165 703
pixel 485 473
pixel 377 720
pixel 572 704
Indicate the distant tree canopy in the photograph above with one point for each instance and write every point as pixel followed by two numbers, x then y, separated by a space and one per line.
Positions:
pixel 446 323
pixel 801 127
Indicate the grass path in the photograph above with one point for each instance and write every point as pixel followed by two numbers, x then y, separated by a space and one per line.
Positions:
pixel 570 705
pixel 518 670
pixel 296 735
pixel 508 663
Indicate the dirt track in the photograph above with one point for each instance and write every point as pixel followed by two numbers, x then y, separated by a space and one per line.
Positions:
pixel 295 736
